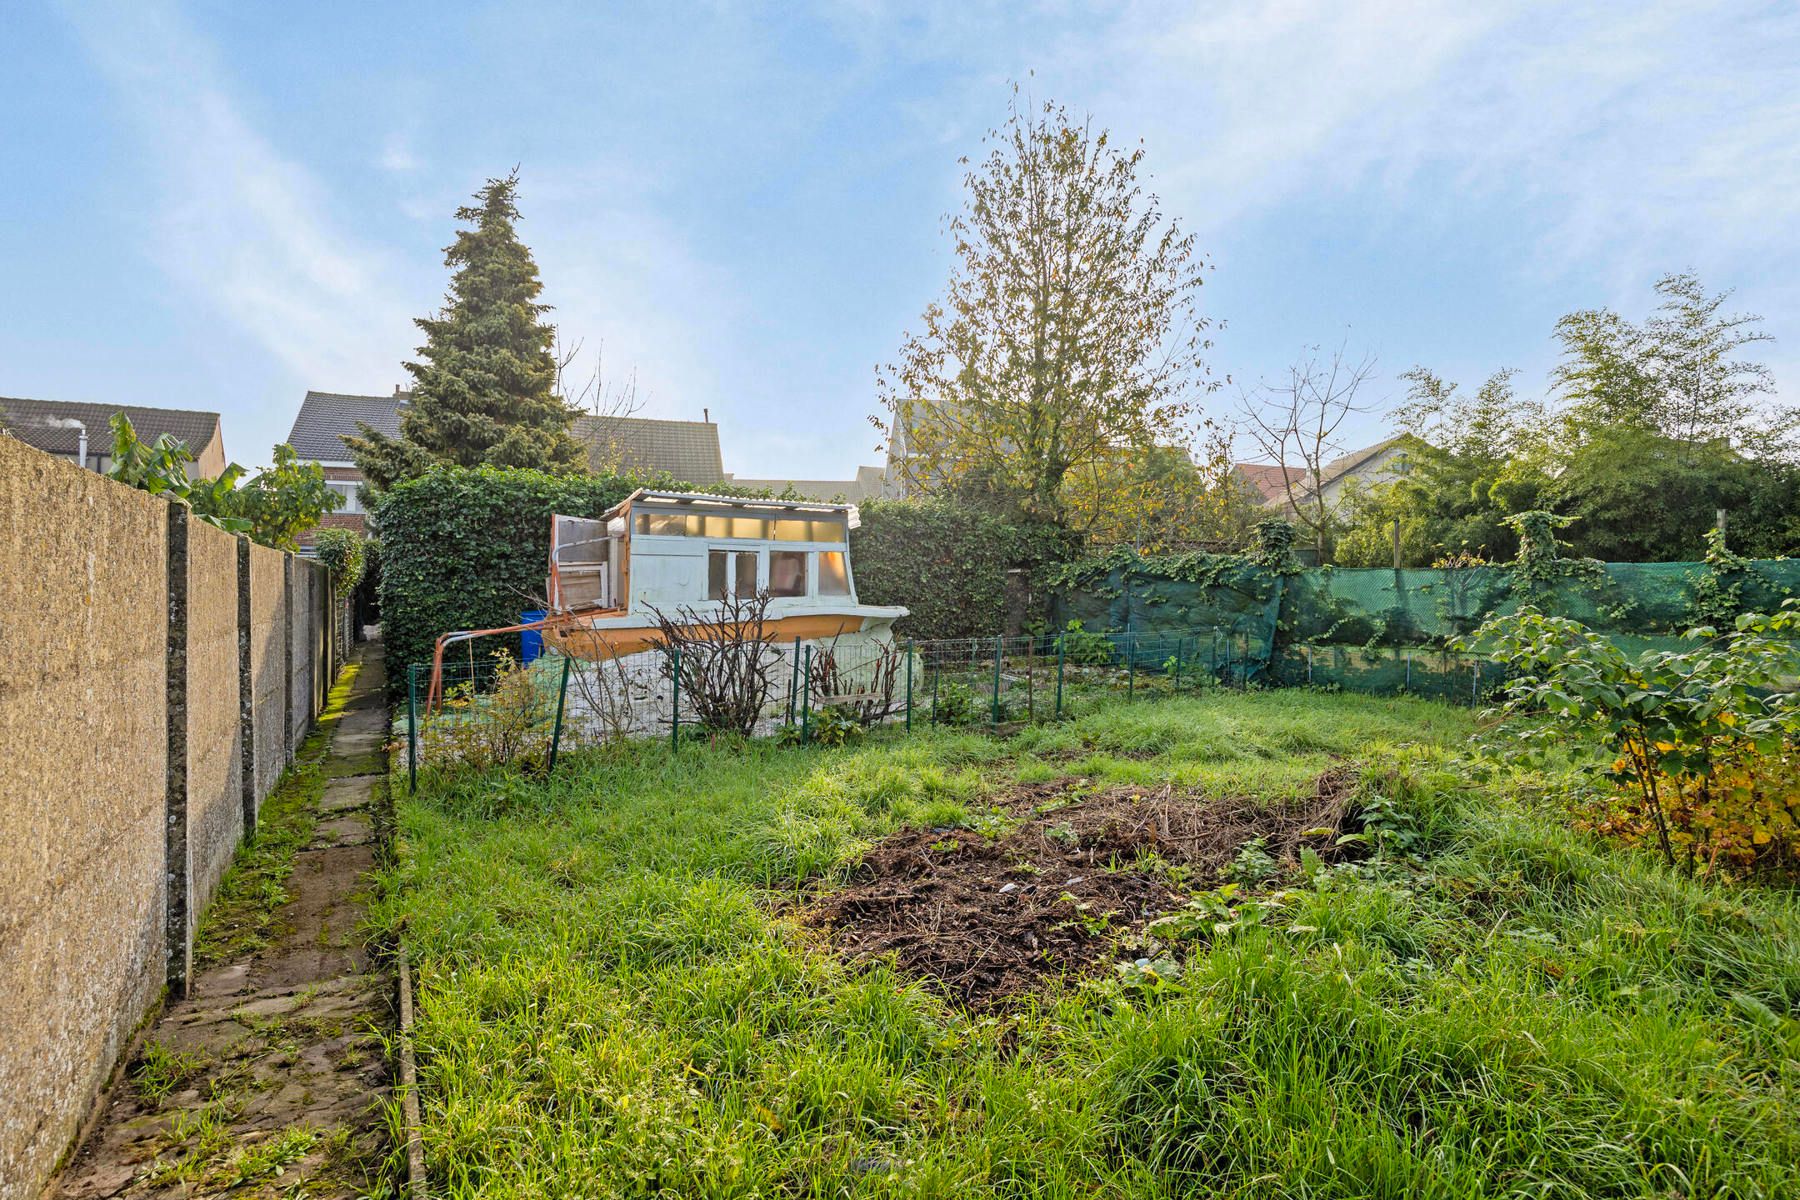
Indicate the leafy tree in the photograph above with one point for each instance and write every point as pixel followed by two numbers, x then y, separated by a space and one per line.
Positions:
pixel 486 390
pixel 1069 335
pixel 285 501
pixel 1161 499
pixel 1682 374
pixel 275 508
pixel 161 468
pixel 1472 460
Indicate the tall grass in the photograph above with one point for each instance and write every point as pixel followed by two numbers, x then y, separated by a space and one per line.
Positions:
pixel 614 999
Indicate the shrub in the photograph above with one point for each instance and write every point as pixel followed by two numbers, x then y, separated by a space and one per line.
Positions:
pixel 344 552
pixel 1696 737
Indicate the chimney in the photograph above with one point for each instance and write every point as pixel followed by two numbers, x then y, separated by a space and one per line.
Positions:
pixel 399 390
pixel 706 415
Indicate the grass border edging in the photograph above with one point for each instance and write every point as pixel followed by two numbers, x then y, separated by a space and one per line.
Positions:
pixel 409 1080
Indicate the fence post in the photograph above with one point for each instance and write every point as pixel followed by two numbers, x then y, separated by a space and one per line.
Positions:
pixel 999 641
pixel 562 696
pixel 1180 646
pixel 805 687
pixel 675 703
pixel 412 728
pixel 1475 685
pixel 909 670
pixel 1309 652
pixel 1059 675
pixel 1409 668
pixel 1130 668
pixel 793 681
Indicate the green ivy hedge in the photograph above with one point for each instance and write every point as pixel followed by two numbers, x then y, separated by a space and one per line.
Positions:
pixel 948 563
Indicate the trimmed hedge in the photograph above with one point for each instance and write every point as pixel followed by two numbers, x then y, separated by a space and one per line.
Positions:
pixel 948 563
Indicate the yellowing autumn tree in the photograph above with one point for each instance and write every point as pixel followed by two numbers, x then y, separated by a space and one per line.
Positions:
pixel 1069 343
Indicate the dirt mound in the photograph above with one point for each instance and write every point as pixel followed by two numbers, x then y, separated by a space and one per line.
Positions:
pixel 988 918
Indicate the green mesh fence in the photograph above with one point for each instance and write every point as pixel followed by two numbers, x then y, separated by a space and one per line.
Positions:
pixel 1387 631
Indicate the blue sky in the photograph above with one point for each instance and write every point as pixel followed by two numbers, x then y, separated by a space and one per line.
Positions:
pixel 219 205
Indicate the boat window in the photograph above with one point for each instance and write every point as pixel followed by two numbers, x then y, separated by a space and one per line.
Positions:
pixel 834 575
pixel 715 525
pixel 787 573
pixel 715 574
pixel 793 529
pixel 669 524
pixel 746 572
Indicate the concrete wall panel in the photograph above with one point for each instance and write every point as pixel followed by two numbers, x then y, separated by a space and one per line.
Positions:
pixel 83 756
pixel 268 665
pixel 215 782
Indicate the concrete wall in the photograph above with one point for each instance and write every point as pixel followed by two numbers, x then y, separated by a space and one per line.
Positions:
pixel 127 631
pixel 268 664
pixel 83 631
pixel 215 784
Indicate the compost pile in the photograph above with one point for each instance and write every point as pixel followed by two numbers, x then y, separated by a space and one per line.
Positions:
pixel 989 919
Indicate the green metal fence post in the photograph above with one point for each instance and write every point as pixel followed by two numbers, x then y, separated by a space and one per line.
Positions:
pixel 675 704
pixel 412 728
pixel 936 675
pixel 999 643
pixel 1059 675
pixel 1130 667
pixel 1180 645
pixel 793 681
pixel 805 686
pixel 909 670
pixel 562 697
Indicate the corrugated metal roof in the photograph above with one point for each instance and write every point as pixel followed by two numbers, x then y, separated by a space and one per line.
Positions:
pixel 35 422
pixel 327 418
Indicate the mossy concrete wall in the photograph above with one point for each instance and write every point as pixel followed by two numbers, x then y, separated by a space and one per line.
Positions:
pixel 127 633
pixel 83 630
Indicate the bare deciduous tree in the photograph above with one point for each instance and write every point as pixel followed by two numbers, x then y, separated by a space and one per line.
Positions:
pixel 1296 423
pixel 599 395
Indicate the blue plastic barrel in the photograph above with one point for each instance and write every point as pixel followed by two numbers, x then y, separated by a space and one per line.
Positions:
pixel 531 642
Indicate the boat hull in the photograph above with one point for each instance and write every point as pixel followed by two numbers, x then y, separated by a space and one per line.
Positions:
pixel 605 638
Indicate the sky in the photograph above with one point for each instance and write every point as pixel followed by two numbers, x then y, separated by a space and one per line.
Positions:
pixel 219 205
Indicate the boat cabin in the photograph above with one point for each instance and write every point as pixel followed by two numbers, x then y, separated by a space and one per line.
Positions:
pixel 660 551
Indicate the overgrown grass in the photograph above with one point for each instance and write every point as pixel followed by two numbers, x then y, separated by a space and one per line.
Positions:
pixel 241 917
pixel 612 1000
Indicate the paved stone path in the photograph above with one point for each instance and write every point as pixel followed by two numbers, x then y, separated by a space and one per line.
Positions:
pixel 268 1079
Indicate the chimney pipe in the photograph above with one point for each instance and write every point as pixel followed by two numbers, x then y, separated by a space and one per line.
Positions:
pixel 706 415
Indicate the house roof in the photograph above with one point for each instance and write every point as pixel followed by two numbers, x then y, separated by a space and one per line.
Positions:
pixel 705 500
pixel 869 484
pixel 1270 479
pixel 39 423
pixel 687 450
pixel 325 419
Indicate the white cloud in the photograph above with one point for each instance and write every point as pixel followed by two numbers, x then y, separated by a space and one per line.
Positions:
pixel 240 226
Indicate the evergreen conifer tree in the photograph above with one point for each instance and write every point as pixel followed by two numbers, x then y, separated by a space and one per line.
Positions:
pixel 485 390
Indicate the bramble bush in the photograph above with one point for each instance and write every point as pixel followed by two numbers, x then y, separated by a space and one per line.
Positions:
pixel 1700 744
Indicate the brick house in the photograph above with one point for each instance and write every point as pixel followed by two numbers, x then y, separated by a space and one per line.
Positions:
pixel 81 432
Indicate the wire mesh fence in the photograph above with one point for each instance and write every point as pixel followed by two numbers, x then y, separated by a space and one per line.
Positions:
pixel 498 710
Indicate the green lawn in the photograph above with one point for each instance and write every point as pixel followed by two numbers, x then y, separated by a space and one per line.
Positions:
pixel 616 998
